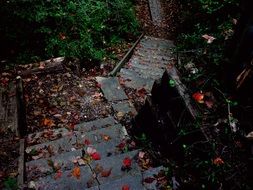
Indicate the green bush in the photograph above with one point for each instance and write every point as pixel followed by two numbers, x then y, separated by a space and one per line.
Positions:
pixel 71 28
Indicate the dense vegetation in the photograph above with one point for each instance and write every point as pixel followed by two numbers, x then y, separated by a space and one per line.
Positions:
pixel 34 30
pixel 206 32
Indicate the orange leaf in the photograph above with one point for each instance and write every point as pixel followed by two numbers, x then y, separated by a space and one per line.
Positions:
pixel 198 97
pixel 218 161
pixel 48 122
pixel 76 172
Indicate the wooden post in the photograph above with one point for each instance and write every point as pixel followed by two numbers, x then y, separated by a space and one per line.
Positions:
pixel 21 110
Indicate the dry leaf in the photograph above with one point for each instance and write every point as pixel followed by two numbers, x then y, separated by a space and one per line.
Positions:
pixel 48 122
pixel 106 173
pixel 76 172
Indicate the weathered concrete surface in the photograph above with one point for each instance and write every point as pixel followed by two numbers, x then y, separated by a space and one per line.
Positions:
pixel 111 89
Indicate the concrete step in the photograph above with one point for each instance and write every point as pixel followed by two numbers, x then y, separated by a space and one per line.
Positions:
pixel 67 160
pixel 152 173
pixel 154 52
pixel 54 134
pixel 115 163
pixel 152 57
pixel 67 181
pixel 133 182
pixel 146 71
pixel 75 141
pixel 111 89
pixel 154 40
pixel 135 81
pixel 148 63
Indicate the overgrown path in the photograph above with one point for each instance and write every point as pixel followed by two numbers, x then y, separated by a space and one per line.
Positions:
pixel 100 154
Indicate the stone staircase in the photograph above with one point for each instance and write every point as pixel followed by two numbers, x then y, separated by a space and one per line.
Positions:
pixel 92 154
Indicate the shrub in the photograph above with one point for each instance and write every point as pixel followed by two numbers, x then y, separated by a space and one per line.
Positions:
pixel 81 28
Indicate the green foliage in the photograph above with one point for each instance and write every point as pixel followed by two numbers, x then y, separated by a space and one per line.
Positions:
pixel 11 184
pixel 80 28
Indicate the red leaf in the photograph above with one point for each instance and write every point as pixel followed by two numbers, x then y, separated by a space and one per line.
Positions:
pixel 142 92
pixel 125 187
pixel 58 174
pixel 198 97
pixel 127 162
pixel 87 142
pixel 96 156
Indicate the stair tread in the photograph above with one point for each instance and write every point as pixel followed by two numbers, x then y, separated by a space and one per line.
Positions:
pixel 111 89
pixel 77 140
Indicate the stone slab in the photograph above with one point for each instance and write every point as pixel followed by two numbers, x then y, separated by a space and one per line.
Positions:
pixel 125 107
pixel 133 182
pixel 115 163
pixel 67 181
pixel 111 89
pixel 133 80
pixel 96 124
pixel 40 168
pixel 156 11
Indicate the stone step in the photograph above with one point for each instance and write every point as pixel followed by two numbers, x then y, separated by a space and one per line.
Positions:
pixel 67 181
pixel 146 71
pixel 153 58
pixel 156 12
pixel 67 160
pixel 133 182
pixel 95 124
pixel 47 135
pixel 115 164
pixel 154 52
pixel 148 63
pixel 133 80
pixel 77 140
pixel 111 89
pixel 125 107
pixel 54 134
pixel 151 39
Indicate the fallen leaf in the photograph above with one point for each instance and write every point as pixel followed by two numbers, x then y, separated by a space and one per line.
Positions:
pixel 58 175
pixel 125 187
pixel 106 137
pixel 141 154
pixel 198 97
pixel 90 182
pixel 96 156
pixel 91 150
pixel 76 172
pixel 142 92
pixel 127 162
pixel 98 169
pixel 209 39
pixel 87 142
pixel 48 122
pixel 106 173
